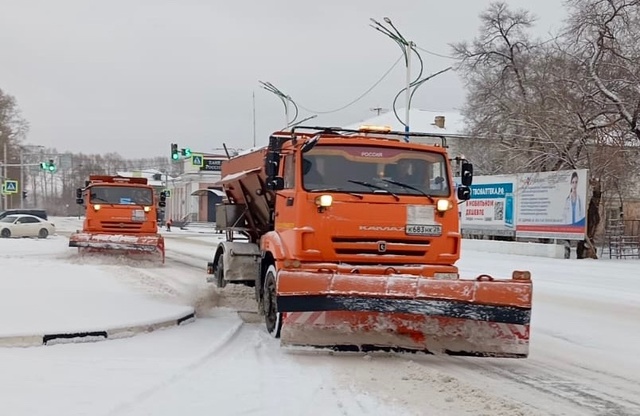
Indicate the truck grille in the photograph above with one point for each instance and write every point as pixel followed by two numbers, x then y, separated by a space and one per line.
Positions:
pixel 369 246
pixel 120 226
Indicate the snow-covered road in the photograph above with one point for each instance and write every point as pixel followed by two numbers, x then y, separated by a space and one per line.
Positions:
pixel 584 361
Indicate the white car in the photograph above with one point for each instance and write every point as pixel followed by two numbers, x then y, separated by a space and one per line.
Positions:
pixel 23 225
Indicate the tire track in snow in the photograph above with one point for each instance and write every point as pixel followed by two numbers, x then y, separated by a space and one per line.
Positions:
pixel 242 341
pixel 548 387
pixel 573 388
pixel 229 339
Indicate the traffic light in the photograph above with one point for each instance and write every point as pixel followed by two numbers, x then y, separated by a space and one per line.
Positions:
pixel 186 152
pixel 24 194
pixel 175 155
pixel 49 166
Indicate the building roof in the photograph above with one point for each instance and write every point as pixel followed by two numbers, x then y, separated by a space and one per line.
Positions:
pixel 422 121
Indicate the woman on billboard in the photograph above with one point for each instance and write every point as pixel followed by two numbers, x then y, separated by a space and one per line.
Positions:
pixel 574 206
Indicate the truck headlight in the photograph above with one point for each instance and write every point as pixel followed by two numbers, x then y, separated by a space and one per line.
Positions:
pixel 96 207
pixel 443 205
pixel 324 201
pixel 147 209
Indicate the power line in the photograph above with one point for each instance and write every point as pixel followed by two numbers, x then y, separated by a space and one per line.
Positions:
pixel 435 54
pixel 360 96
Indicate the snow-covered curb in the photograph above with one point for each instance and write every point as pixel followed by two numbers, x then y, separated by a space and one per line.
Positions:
pixel 93 336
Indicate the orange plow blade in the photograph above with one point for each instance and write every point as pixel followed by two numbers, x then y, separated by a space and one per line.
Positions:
pixel 401 312
pixel 119 243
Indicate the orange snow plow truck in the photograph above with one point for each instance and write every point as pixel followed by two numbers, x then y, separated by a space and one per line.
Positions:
pixel 120 217
pixel 350 238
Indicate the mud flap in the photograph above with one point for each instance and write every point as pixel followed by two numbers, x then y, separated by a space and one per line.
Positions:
pixel 479 317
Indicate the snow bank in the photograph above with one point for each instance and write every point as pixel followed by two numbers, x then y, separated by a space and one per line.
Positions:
pixel 554 251
pixel 42 294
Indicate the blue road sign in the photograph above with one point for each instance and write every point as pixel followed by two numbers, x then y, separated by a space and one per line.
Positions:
pixel 10 187
pixel 197 160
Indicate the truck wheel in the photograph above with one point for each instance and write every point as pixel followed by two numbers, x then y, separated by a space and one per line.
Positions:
pixel 218 272
pixel 6 233
pixel 272 317
pixel 259 286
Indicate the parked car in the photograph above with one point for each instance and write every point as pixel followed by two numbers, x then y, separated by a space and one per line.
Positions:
pixel 22 225
pixel 37 212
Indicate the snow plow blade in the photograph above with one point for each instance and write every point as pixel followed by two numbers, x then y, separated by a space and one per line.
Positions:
pixel 119 243
pixel 481 317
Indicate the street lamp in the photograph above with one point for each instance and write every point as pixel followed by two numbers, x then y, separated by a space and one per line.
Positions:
pixel 284 98
pixel 408 47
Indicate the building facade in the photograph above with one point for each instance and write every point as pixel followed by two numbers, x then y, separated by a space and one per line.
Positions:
pixel 193 195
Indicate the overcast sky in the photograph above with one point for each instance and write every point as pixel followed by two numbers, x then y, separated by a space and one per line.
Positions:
pixel 131 76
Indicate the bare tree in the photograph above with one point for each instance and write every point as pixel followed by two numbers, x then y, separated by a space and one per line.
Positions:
pixel 567 103
pixel 13 128
pixel 603 36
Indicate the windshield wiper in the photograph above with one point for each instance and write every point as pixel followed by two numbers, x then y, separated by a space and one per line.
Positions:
pixel 336 190
pixel 97 198
pixel 404 185
pixel 372 186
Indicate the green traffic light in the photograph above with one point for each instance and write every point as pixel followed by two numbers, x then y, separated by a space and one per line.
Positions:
pixel 175 156
pixel 52 168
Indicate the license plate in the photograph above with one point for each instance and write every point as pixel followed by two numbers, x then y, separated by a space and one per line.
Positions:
pixel 417 229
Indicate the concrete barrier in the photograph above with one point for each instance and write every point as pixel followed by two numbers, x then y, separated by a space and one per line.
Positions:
pixel 555 251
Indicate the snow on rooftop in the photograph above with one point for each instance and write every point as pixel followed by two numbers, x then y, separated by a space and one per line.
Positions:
pixel 423 121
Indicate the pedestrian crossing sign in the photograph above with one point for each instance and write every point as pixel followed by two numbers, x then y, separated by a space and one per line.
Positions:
pixel 197 160
pixel 10 187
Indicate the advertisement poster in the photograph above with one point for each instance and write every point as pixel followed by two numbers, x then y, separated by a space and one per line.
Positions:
pixel 491 209
pixel 552 205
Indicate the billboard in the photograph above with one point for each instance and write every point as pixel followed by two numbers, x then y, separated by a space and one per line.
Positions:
pixel 491 209
pixel 552 205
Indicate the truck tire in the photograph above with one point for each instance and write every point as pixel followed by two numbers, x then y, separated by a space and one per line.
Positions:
pixel 272 318
pixel 218 272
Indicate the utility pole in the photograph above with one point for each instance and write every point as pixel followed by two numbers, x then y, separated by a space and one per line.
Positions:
pixel 408 46
pixel 378 110
pixel 4 175
pixel 285 101
pixel 21 187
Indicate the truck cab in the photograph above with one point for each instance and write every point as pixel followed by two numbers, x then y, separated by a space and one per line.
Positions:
pixel 121 215
pixel 367 199
pixel 119 204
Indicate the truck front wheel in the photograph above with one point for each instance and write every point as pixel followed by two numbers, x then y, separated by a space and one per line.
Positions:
pixel 272 317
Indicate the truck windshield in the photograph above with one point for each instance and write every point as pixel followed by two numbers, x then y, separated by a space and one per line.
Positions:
pixel 121 195
pixel 399 171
